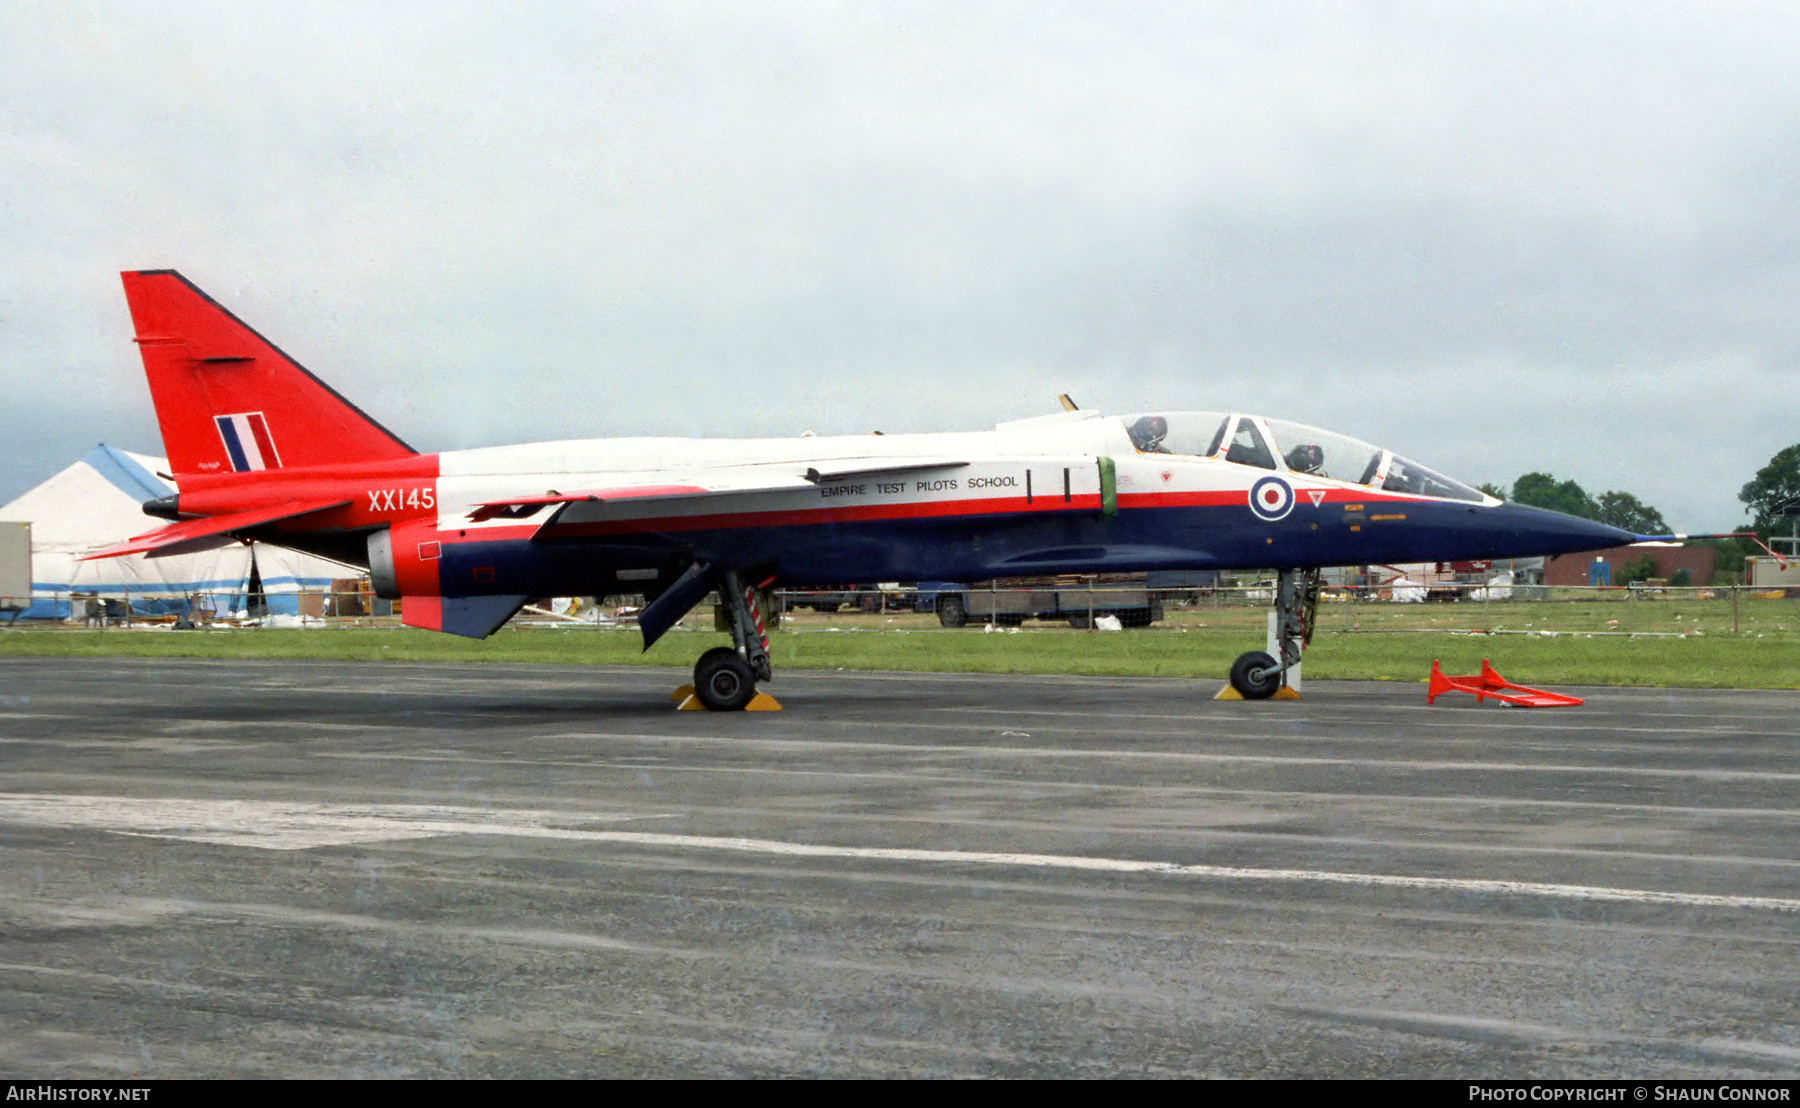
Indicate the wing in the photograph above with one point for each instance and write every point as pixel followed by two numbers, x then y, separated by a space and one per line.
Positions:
pixel 188 530
pixel 570 504
pixel 523 507
pixel 867 467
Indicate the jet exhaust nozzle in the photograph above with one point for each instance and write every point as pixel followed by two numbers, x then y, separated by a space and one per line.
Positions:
pixel 164 507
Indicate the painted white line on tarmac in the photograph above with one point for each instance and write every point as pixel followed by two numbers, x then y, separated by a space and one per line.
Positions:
pixel 913 775
pixel 283 825
pixel 280 825
pixel 1511 722
pixel 750 742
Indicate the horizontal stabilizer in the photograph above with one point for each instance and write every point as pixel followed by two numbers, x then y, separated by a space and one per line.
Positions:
pixel 188 530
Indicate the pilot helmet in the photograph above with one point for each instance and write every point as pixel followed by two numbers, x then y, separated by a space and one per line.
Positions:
pixel 1149 429
pixel 1306 458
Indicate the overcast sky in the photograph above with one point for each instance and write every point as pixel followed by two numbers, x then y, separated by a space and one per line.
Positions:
pixel 1497 238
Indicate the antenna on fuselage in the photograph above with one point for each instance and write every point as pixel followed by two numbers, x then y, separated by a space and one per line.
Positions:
pixel 1067 404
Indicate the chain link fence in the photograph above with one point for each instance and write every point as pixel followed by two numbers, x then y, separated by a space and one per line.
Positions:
pixel 1499 610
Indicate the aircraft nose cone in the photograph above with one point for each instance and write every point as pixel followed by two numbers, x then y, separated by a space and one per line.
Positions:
pixel 1536 531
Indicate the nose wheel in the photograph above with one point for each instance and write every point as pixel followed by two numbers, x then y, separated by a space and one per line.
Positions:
pixel 1258 675
pixel 1255 675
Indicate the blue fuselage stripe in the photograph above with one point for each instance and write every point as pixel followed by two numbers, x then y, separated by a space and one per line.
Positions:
pixel 965 548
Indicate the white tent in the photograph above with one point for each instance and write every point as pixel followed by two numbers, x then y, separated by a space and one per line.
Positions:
pixel 1404 590
pixel 1499 587
pixel 98 501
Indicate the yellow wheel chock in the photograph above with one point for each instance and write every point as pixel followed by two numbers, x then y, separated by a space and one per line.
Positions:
pixel 688 702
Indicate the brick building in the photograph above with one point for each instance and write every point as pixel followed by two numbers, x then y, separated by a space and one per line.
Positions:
pixel 1603 567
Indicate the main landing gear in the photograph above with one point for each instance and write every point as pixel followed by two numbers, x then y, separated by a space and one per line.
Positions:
pixel 1258 676
pixel 725 677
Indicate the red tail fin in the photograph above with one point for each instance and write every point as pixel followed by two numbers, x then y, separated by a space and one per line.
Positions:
pixel 228 399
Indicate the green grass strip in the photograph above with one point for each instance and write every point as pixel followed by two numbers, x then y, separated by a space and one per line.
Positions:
pixel 1764 661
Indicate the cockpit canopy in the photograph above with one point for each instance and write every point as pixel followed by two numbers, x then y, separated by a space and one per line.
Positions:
pixel 1279 444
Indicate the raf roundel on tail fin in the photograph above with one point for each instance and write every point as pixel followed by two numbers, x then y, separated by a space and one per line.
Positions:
pixel 228 400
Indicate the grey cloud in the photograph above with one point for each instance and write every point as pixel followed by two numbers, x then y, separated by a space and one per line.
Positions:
pixel 1502 237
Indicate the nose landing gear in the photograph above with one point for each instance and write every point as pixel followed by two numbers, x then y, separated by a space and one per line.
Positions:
pixel 1256 675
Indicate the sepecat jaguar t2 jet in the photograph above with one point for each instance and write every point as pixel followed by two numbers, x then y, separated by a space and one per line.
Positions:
pixel 261 449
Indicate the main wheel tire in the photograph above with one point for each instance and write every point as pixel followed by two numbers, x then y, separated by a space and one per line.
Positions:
pixel 723 681
pixel 950 610
pixel 1255 675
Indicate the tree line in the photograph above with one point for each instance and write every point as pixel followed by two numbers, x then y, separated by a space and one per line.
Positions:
pixel 1772 498
pixel 1619 509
